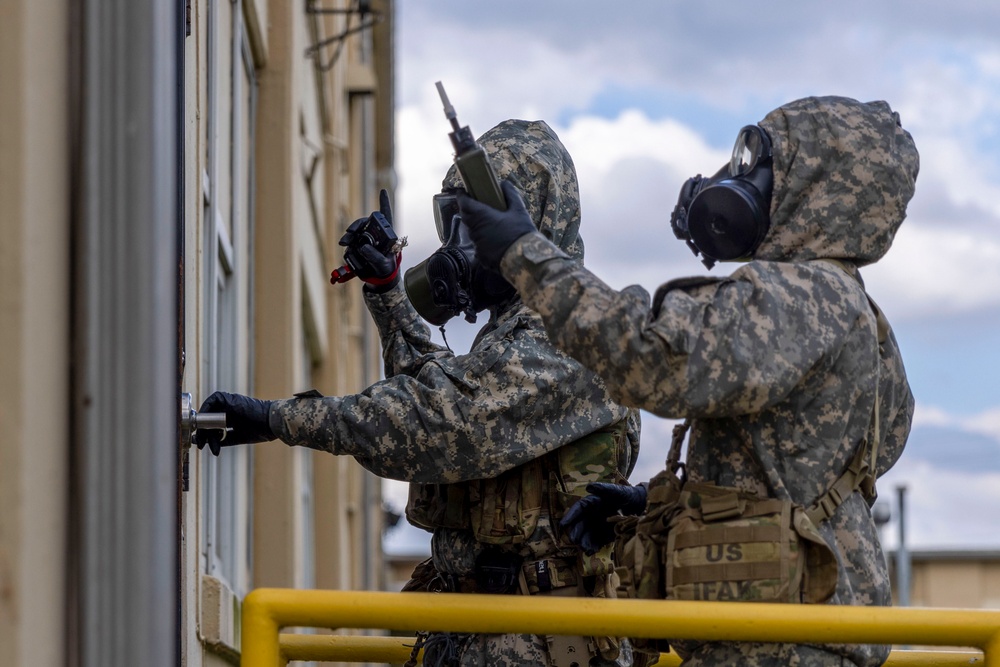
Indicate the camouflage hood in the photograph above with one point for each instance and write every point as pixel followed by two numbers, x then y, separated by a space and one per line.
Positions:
pixel 844 172
pixel 531 154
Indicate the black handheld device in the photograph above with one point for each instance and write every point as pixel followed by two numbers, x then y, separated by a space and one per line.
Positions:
pixel 477 173
pixel 375 231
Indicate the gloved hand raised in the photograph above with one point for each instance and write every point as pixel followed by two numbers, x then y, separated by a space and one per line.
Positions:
pixel 587 523
pixel 246 421
pixel 380 270
pixel 493 231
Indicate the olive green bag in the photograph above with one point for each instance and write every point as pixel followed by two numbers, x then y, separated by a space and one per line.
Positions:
pixel 726 545
pixel 699 541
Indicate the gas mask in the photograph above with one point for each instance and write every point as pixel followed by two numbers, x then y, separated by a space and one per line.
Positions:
pixel 725 217
pixel 451 281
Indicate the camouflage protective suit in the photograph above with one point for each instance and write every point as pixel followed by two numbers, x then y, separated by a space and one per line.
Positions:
pixel 465 429
pixel 777 364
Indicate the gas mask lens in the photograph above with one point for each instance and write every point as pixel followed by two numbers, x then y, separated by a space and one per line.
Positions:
pixel 451 281
pixel 445 210
pixel 752 146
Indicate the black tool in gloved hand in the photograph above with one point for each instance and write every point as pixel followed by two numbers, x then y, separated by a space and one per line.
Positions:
pixel 373 251
pixel 587 523
pixel 247 421
pixel 379 272
pixel 493 231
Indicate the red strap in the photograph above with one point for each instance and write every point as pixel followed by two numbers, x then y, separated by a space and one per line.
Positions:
pixel 345 273
pixel 389 278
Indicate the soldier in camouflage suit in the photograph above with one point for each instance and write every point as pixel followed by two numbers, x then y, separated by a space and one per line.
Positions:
pixel 775 365
pixel 514 423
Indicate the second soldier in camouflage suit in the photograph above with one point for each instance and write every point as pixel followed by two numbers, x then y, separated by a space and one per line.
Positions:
pixel 496 442
pixel 775 365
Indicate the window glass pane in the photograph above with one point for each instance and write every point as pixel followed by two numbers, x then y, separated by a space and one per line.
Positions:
pixel 224 125
pixel 226 512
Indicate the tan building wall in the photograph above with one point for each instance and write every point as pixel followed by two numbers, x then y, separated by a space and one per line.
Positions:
pixel 34 330
pixel 279 157
pixel 317 150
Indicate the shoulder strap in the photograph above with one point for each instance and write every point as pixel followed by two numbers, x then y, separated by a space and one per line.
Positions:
pixel 860 472
pixel 676 442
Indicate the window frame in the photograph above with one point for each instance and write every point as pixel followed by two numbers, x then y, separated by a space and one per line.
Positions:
pixel 226 513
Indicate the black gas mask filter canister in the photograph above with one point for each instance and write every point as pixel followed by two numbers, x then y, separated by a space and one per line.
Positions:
pixel 452 281
pixel 726 216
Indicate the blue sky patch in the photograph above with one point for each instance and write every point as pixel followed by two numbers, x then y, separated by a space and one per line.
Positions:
pixel 953 363
pixel 716 124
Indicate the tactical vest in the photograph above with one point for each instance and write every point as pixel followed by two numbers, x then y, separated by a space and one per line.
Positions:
pixel 504 510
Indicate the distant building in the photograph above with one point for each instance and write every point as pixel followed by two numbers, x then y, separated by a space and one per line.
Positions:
pixel 968 578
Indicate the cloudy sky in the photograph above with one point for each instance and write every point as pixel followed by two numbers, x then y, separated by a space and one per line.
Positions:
pixel 646 94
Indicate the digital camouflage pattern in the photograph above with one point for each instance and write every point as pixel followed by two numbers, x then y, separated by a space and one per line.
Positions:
pixel 442 418
pixel 530 153
pixel 776 364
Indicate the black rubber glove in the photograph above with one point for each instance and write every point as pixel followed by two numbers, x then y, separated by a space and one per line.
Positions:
pixel 246 421
pixel 586 523
pixel 379 271
pixel 493 231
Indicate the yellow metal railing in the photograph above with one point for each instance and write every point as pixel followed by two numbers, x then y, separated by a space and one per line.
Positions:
pixel 267 611
pixel 327 648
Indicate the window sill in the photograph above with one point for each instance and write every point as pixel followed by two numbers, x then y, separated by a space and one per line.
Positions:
pixel 221 613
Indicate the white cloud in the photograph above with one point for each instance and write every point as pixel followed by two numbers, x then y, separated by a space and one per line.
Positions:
pixel 945 509
pixel 985 423
pixel 927 272
pixel 989 63
pixel 599 145
pixel 534 79
pixel 423 157
pixel 940 95
pixel 965 174
pixel 932 416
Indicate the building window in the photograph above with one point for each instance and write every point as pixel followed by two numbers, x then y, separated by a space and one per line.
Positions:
pixel 228 226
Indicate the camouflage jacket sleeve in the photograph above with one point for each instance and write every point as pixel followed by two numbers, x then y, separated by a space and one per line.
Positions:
pixel 406 340
pixel 706 348
pixel 451 418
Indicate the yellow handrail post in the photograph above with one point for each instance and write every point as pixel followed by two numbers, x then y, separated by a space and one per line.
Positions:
pixel 991 650
pixel 259 631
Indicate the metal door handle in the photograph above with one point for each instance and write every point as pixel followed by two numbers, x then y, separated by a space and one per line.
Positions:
pixel 191 421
